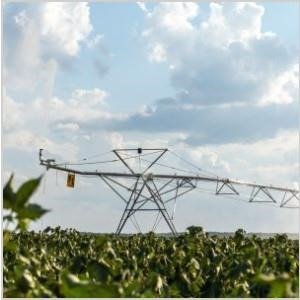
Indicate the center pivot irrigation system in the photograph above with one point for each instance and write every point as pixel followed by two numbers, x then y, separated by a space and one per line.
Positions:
pixel 147 191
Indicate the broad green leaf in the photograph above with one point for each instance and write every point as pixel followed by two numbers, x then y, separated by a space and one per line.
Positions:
pixel 47 229
pixel 32 212
pixel 72 287
pixel 26 281
pixel 26 190
pixel 9 197
pixel 99 270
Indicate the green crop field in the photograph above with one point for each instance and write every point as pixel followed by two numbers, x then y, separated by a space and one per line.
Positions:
pixel 66 263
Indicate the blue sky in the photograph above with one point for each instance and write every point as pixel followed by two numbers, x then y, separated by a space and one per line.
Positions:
pixel 119 23
pixel 216 82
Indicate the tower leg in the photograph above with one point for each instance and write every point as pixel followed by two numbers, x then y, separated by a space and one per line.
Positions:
pixel 129 207
pixel 138 200
pixel 161 207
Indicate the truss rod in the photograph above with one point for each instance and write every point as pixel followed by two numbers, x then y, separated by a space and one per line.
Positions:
pixel 130 189
pixel 105 180
pixel 125 210
pixel 166 176
pixel 164 210
pixel 126 213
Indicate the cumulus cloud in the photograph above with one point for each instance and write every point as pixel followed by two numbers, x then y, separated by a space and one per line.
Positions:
pixel 39 39
pixel 94 41
pixel 29 141
pixel 12 113
pixel 233 81
pixel 225 58
pixel 24 69
pixel 89 97
pixel 212 124
pixel 82 105
pixel 228 23
pixel 65 25
pixel 52 123
pixel 284 89
pixel 158 53
pixel 173 17
pixel 68 126
pixel 271 160
pixel 142 6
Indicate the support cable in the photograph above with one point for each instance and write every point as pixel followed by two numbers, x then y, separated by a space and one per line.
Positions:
pixel 160 217
pixel 175 200
pixel 96 155
pixel 137 224
pixel 105 161
pixel 156 219
pixel 172 168
pixel 87 163
pixel 191 164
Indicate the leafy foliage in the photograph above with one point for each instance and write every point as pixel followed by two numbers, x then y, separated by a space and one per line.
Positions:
pixel 20 211
pixel 66 263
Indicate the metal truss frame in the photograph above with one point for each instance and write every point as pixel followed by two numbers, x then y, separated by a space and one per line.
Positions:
pixel 228 184
pixel 291 195
pixel 265 190
pixel 146 189
pixel 137 199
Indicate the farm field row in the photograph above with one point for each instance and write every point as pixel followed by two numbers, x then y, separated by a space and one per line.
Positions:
pixel 66 263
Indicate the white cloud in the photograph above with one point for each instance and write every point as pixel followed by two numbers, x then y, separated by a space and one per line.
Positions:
pixel 115 139
pixel 12 113
pixel 84 105
pixel 271 160
pixel 24 69
pixel 158 53
pixel 66 25
pixel 53 123
pixel 224 58
pixel 203 125
pixel 68 126
pixel 208 160
pixel 173 17
pixel 284 89
pixel 228 23
pixel 89 97
pixel 142 6
pixel 39 40
pixel 234 82
pixel 37 124
pixel 29 141
pixel 94 41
